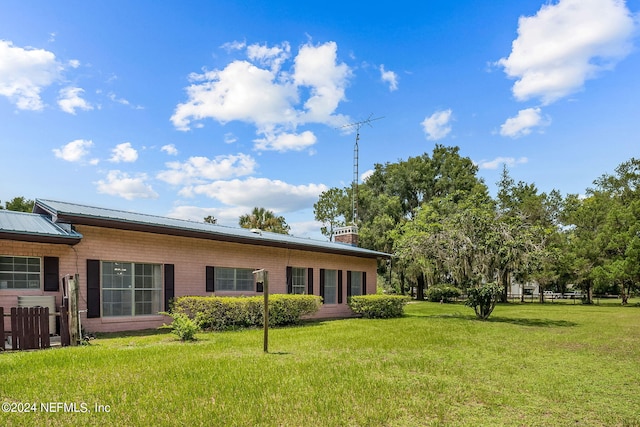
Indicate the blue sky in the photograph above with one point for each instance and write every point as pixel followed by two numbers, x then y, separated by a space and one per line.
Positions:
pixel 189 109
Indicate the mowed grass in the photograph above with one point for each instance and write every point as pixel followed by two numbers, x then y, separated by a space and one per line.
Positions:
pixel 529 365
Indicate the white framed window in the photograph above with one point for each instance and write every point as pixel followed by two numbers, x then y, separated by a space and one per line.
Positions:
pixel 356 283
pixel 20 272
pixel 233 279
pixel 298 280
pixel 330 286
pixel 131 289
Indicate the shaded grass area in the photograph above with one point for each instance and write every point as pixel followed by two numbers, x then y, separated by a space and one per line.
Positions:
pixel 533 365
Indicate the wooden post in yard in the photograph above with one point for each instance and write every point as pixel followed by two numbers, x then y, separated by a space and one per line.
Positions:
pixel 266 312
pixel 74 321
pixel 2 338
pixel 263 276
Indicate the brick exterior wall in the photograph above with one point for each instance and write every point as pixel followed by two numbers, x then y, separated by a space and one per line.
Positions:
pixel 190 256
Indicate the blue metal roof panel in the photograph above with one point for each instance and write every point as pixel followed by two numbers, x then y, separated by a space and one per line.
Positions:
pixel 32 224
pixel 71 209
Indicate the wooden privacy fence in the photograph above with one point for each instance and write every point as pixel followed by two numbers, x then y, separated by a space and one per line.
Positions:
pixel 30 328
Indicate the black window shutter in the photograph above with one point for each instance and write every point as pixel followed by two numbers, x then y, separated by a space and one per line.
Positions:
pixel 310 281
pixel 339 286
pixel 364 283
pixel 289 280
pixel 348 284
pixel 322 283
pixel 51 274
pixel 169 285
pixel 93 288
pixel 210 279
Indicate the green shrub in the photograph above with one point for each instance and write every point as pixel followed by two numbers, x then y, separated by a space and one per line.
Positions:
pixel 483 299
pixel 444 293
pixel 223 313
pixel 378 306
pixel 183 326
pixel 289 309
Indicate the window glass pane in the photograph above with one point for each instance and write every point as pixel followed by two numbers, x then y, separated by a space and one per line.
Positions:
pixel 118 273
pixel 33 281
pixel 144 302
pixel 130 289
pixel 224 278
pixel 356 283
pixel 299 280
pixel 20 264
pixel 33 265
pixel 330 286
pixel 19 272
pixel 244 279
pixel 233 279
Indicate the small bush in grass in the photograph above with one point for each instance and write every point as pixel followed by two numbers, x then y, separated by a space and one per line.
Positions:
pixel 183 326
pixel 223 313
pixel 444 293
pixel 378 306
pixel 483 299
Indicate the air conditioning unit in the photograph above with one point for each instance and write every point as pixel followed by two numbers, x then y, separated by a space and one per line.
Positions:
pixel 41 301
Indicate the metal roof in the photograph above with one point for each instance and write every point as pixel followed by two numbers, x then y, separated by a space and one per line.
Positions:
pixel 64 212
pixel 34 228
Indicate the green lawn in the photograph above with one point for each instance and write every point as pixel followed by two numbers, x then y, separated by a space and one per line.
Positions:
pixel 529 365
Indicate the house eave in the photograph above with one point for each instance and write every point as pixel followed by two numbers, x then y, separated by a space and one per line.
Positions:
pixel 40 238
pixel 258 240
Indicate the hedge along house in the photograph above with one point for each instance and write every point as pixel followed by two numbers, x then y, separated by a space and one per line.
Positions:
pixel 132 265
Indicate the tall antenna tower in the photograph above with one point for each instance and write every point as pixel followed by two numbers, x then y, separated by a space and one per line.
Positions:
pixel 356 177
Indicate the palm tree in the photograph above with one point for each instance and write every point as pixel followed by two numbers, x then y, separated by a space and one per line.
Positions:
pixel 264 220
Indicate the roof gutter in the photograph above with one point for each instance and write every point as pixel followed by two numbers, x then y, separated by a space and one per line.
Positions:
pixel 40 238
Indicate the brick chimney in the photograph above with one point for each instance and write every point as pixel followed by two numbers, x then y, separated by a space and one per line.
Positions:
pixel 348 235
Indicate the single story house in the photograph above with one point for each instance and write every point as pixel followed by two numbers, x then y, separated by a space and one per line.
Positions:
pixel 131 265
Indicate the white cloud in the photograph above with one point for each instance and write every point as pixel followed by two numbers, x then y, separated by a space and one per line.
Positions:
pixel 305 228
pixel 234 45
pixel 124 153
pixel 273 57
pixel 170 149
pixel 271 194
pixel 316 67
pixel 437 125
pixel 229 138
pixel 113 97
pixel 523 123
pixel 74 151
pixel 366 174
pixel 495 163
pixel 286 141
pixel 276 102
pixel 241 91
pixel 389 77
pixel 566 43
pixel 128 187
pixel 24 73
pixel 69 100
pixel 200 169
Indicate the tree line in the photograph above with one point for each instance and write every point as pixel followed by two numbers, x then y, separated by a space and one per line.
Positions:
pixel 435 215
pixel 18 204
